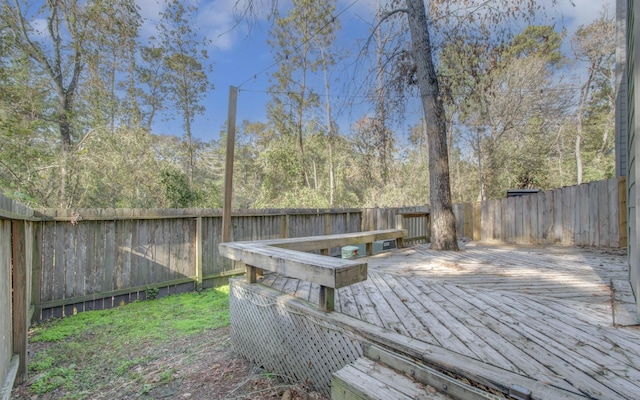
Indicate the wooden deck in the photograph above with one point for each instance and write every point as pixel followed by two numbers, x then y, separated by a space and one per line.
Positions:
pixel 560 316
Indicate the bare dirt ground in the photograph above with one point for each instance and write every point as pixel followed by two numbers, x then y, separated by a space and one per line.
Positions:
pixel 204 367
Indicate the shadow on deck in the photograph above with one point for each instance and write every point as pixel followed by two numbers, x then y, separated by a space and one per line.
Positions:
pixel 555 321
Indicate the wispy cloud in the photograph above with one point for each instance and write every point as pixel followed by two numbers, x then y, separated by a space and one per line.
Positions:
pixel 150 11
pixel 583 13
pixel 219 21
pixel 39 26
pixel 224 22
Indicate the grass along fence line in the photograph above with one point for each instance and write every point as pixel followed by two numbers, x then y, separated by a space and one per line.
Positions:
pixel 110 353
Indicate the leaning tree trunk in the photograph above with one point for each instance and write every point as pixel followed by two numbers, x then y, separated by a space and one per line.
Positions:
pixel 443 226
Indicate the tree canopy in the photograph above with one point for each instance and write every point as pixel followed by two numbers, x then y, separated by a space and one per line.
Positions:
pixel 81 93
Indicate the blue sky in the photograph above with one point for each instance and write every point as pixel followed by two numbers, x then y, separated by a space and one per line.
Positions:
pixel 241 56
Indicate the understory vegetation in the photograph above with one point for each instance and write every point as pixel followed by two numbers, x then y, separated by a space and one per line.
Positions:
pixel 83 99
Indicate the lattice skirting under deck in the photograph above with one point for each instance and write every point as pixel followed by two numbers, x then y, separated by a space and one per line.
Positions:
pixel 288 338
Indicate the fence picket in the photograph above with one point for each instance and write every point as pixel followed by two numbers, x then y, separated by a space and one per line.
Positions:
pixel 110 250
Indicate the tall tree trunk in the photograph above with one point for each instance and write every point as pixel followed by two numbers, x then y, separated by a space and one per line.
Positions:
pixel 381 111
pixel 330 128
pixel 584 97
pixel 190 149
pixel 64 109
pixel 300 119
pixel 578 153
pixel 443 226
pixel 481 183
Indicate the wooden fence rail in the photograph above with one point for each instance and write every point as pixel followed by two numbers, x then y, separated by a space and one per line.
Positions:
pixel 592 214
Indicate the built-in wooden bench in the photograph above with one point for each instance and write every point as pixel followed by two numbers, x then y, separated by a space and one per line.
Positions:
pixel 290 258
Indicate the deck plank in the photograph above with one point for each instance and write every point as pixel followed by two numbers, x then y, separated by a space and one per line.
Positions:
pixel 366 307
pixel 498 337
pixel 583 373
pixel 347 301
pixel 303 290
pixel 582 350
pixel 398 301
pixel 545 313
pixel 451 333
pixel 386 312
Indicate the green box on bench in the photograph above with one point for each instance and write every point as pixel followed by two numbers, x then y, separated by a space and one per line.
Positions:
pixel 361 249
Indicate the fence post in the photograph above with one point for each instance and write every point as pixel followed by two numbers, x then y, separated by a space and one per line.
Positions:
pixel 199 245
pixel 477 218
pixel 284 226
pixel 36 267
pixel 20 301
pixel 327 223
pixel 622 210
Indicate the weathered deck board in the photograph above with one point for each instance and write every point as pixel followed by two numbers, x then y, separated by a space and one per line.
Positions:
pixel 347 302
pixel 375 289
pixel 542 312
pixel 365 379
pixel 398 303
pixel 447 330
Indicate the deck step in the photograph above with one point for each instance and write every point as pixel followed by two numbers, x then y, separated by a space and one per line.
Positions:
pixel 366 379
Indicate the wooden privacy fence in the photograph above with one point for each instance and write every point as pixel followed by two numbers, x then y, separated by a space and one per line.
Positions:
pixel 58 262
pixel 416 220
pixel 18 257
pixel 94 259
pixel 591 214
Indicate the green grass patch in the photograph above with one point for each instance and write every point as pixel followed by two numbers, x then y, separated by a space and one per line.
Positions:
pixel 53 378
pixel 76 347
pixel 155 319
